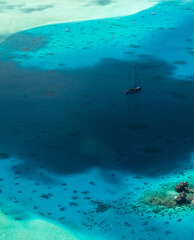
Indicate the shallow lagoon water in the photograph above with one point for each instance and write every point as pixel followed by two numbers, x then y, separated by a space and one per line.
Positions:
pixel 75 150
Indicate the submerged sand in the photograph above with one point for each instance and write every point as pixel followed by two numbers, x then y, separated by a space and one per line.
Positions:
pixel 24 14
pixel 35 229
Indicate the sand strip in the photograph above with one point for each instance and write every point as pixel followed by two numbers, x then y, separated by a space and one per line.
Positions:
pixel 24 14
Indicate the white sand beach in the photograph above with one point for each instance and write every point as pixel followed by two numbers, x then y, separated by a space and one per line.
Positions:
pixel 24 14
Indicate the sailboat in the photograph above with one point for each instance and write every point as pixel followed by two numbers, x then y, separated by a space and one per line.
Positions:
pixel 136 88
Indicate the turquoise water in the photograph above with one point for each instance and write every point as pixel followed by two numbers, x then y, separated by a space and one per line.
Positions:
pixel 76 151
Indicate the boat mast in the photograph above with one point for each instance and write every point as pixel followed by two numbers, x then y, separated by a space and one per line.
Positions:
pixel 135 77
pixel 129 79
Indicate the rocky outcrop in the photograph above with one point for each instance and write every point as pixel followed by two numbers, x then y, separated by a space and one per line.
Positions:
pixel 183 186
pixel 182 198
pixel 183 189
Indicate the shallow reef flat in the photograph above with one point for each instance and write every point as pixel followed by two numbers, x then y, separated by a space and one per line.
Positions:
pixel 159 32
pixel 163 197
pixel 97 202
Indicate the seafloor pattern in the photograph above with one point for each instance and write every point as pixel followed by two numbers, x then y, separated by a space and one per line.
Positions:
pixel 78 153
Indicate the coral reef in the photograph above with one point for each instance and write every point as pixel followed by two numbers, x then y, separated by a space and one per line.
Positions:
pixel 166 196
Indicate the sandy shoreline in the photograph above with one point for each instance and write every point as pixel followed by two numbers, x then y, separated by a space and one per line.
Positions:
pixel 22 15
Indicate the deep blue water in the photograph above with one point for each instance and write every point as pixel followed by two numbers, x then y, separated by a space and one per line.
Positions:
pixel 64 119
